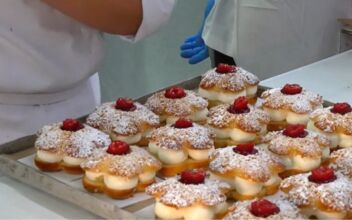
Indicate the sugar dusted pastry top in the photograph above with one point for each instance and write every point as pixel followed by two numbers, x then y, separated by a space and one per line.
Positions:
pixel 341 160
pixel 234 81
pixel 330 122
pixel 131 164
pixel 252 121
pixel 179 107
pixel 242 210
pixel 194 137
pixel 174 193
pixel 302 103
pixel 109 119
pixel 335 195
pixel 258 167
pixel 310 145
pixel 79 144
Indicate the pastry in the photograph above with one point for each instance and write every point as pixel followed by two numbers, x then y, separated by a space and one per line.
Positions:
pixel 300 150
pixel 251 170
pixel 183 145
pixel 225 83
pixel 341 160
pixel 335 122
pixel 175 103
pixel 323 193
pixel 189 197
pixel 124 120
pixel 274 207
pixel 66 144
pixel 120 170
pixel 289 105
pixel 237 123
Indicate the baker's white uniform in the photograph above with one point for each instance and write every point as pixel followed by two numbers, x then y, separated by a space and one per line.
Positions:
pixel 269 37
pixel 47 62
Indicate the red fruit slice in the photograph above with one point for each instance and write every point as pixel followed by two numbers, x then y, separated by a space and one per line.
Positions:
pixel 323 174
pixel 291 89
pixel 225 68
pixel 245 149
pixel 183 123
pixel 192 177
pixel 71 125
pixel 125 104
pixel 341 108
pixel 175 92
pixel 264 208
pixel 295 131
pixel 239 106
pixel 118 148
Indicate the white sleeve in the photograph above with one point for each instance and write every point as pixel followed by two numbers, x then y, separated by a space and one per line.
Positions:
pixel 155 14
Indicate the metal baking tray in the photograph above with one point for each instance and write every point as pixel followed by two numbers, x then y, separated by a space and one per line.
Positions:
pixel 14 162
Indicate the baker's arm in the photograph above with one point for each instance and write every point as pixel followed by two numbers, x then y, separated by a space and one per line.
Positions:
pixel 113 16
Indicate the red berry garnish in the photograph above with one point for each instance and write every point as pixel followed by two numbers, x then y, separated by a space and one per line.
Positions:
pixel 183 123
pixel 125 104
pixel 245 149
pixel 225 68
pixel 341 108
pixel 192 177
pixel 291 89
pixel 71 125
pixel 239 106
pixel 264 208
pixel 323 174
pixel 175 92
pixel 118 148
pixel 295 131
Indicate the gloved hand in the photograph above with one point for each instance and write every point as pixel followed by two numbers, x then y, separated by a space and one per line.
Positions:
pixel 194 48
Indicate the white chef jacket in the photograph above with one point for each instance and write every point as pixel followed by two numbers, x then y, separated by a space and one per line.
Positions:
pixel 47 62
pixel 269 37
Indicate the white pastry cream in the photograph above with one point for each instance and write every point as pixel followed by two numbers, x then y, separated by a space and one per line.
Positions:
pixel 72 161
pixel 227 97
pixel 172 156
pixel 290 117
pixel 337 139
pixel 146 177
pixel 233 133
pixel 128 139
pixel 193 212
pixel 320 214
pixel 48 157
pixel 120 183
pixel 199 154
pixel 93 176
pixel 200 115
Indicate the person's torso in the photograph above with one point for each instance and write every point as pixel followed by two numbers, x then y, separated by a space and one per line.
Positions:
pixel 42 50
pixel 269 37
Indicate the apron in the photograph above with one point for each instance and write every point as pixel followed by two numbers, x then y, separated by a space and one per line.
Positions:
pixel 269 37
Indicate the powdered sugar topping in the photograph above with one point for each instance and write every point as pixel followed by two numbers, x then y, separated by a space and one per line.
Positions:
pixel 182 107
pixel 253 121
pixel 109 119
pixel 304 102
pixel 195 137
pixel 342 161
pixel 234 82
pixel 174 193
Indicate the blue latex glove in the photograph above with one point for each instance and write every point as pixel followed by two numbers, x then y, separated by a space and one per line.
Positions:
pixel 194 48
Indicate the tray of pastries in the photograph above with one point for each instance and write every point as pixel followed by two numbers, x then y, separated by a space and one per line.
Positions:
pixel 218 146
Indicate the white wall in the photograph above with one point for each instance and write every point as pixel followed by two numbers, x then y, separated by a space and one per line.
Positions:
pixel 136 69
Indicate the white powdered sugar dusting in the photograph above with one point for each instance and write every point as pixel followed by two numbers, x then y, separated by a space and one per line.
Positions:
pixel 309 146
pixel 174 193
pixel 330 122
pixel 342 161
pixel 253 121
pixel 241 209
pixel 182 107
pixel 195 137
pixel 78 144
pixel 234 82
pixel 109 119
pixel 336 195
pixel 257 167
pixel 304 102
